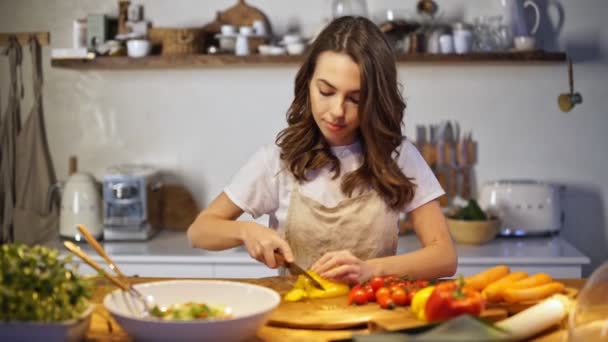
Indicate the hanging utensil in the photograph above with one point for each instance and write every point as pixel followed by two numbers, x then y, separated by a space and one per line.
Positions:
pixel 567 101
pixel 297 270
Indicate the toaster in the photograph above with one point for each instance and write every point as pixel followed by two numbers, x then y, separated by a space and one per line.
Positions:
pixel 524 207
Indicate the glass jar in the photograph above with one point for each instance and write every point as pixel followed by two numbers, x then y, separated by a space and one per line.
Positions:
pixel 588 320
pixel 341 8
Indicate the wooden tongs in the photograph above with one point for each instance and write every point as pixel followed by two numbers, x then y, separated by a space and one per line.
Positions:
pixel 295 269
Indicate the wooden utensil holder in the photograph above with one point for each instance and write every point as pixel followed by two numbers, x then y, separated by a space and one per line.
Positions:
pixel 452 163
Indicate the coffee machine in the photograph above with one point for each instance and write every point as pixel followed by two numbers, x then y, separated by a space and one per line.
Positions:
pixel 131 202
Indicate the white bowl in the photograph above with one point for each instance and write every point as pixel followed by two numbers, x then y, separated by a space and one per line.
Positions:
pixel 295 48
pixel 138 48
pixel 251 306
pixel 291 39
pixel 524 43
pixel 70 330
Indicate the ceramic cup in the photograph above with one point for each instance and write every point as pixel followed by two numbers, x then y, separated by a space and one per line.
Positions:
pixel 295 48
pixel 241 47
pixel 245 30
pixel 463 41
pixel 259 27
pixel 524 43
pixel 446 43
pixel 138 48
pixel 228 30
pixel 291 39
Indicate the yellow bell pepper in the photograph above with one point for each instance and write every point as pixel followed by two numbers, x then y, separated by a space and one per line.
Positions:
pixel 304 289
pixel 419 302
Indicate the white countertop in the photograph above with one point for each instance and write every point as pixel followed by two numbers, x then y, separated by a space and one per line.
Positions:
pixel 173 247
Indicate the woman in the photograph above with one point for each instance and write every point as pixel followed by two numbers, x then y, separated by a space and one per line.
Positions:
pixel 338 176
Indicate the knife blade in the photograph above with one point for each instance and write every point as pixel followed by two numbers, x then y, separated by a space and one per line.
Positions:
pixel 297 270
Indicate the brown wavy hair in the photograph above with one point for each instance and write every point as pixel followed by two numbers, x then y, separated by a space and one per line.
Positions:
pixel 381 107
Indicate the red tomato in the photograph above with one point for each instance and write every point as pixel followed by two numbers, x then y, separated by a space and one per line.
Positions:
pixel 376 282
pixel 395 287
pixel 369 291
pixel 421 283
pixel 400 297
pixel 386 302
pixel 404 283
pixel 351 294
pixel 390 278
pixel 410 294
pixel 360 297
pixel 383 292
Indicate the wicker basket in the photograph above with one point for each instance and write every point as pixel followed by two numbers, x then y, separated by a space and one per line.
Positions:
pixel 178 41
pixel 473 232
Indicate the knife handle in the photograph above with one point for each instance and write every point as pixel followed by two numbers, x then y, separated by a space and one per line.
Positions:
pixel 280 259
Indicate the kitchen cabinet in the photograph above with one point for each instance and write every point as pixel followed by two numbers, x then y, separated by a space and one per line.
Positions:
pixel 169 254
pixel 205 61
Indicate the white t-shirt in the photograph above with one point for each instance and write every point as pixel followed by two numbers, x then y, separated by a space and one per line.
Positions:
pixel 263 185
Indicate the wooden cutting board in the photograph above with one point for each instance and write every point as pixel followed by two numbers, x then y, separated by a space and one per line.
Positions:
pixel 179 208
pixel 335 313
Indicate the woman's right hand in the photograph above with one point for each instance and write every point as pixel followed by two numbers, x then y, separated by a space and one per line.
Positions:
pixel 261 242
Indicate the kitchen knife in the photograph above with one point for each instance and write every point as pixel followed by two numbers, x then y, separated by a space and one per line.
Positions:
pixel 297 270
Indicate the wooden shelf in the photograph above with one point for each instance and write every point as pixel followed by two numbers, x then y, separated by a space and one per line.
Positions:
pixel 196 61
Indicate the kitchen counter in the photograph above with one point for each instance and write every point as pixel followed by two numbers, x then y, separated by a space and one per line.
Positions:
pixel 168 254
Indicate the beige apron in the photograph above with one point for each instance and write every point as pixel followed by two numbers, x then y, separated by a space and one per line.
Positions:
pixel 362 224
pixel 35 218
pixel 11 125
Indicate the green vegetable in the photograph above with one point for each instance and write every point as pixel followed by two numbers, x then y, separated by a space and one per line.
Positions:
pixel 190 311
pixel 38 285
pixel 472 212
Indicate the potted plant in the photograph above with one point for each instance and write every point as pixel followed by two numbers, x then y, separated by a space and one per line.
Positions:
pixel 471 225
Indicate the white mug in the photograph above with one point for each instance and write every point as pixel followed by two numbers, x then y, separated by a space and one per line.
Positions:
pixel 259 27
pixel 245 30
pixel 463 41
pixel 242 45
pixel 138 48
pixel 228 30
pixel 446 43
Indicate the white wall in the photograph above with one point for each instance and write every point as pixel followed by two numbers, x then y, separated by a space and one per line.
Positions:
pixel 202 124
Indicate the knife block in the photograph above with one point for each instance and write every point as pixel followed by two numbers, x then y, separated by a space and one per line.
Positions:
pixel 453 164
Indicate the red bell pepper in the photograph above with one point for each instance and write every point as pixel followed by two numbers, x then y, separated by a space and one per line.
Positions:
pixel 451 299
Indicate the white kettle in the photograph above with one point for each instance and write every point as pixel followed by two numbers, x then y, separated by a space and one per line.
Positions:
pixel 80 204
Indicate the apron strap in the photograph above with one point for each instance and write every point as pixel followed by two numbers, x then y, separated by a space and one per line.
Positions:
pixel 15 59
pixel 35 51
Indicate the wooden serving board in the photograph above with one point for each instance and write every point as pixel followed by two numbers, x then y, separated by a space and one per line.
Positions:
pixel 335 313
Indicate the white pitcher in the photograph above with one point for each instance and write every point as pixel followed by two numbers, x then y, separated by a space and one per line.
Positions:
pixel 513 12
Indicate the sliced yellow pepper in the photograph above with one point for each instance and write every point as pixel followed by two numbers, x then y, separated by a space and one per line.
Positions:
pixel 419 302
pixel 304 289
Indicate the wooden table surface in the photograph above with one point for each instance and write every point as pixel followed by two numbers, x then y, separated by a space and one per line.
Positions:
pixel 104 328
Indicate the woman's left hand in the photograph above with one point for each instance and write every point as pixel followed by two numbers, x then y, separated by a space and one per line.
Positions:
pixel 343 266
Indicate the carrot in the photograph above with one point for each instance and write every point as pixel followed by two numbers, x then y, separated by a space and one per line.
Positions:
pixel 480 280
pixel 492 291
pixel 512 295
pixel 531 281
